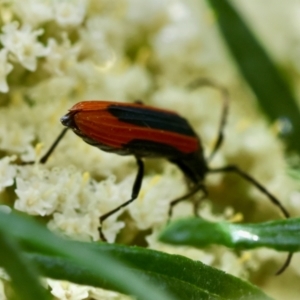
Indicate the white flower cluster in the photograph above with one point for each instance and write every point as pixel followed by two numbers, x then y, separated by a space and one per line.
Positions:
pixel 7 172
pixel 5 69
pixel 2 292
pixel 63 290
pixel 63 12
pixel 75 200
pixel 20 44
pixel 54 53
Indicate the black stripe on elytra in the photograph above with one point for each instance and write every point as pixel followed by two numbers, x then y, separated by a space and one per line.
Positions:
pixel 144 148
pixel 145 117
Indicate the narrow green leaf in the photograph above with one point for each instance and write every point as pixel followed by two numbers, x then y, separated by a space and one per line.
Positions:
pixel 281 235
pixel 150 275
pixel 24 277
pixel 186 278
pixel 64 269
pixel 101 266
pixel 274 95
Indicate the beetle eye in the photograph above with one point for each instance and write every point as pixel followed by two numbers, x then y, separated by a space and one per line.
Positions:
pixel 68 120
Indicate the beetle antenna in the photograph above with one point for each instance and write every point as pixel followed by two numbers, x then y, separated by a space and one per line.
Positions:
pixel 225 97
pixel 53 146
pixel 45 157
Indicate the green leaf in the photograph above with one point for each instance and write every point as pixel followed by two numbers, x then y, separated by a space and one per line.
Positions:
pixel 186 278
pixel 281 235
pixel 102 266
pixel 64 269
pixel 149 274
pixel 24 276
pixel 274 95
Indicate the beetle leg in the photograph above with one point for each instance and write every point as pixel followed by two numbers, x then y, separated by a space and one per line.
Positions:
pixel 202 82
pixel 286 263
pixel 134 194
pixel 272 198
pixel 250 179
pixel 199 186
pixel 198 200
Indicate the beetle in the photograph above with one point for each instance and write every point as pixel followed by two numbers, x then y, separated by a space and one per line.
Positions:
pixel 148 132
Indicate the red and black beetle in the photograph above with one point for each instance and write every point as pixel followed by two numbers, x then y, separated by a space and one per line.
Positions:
pixel 147 132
